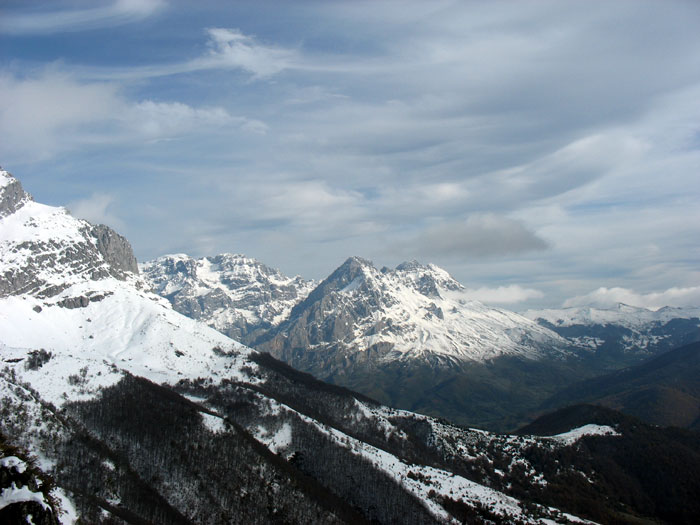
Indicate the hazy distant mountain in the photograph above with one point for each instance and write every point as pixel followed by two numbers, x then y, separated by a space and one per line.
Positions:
pixel 665 390
pixel 623 335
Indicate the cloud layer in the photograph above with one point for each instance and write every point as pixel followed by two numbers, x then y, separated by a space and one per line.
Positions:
pixel 537 150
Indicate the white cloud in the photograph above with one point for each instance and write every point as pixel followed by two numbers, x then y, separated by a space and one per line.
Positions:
pixel 510 294
pixel 230 48
pixel 168 119
pixel 43 113
pixel 70 20
pixel 609 297
pixel 98 209
pixel 314 207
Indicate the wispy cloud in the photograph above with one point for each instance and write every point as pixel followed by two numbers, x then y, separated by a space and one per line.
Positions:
pixel 522 143
pixel 53 111
pixel 230 48
pixel 37 21
pixel 98 209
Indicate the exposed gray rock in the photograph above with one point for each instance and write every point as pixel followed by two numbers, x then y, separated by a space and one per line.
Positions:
pixel 79 258
pixel 40 266
pixel 115 249
pixel 74 302
pixel 12 196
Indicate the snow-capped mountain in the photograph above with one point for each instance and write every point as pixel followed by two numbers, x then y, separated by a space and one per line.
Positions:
pixel 234 294
pixel 622 315
pixel 411 313
pixel 636 332
pixel 355 327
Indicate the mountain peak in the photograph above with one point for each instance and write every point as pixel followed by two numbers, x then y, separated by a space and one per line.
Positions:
pixel 12 195
pixel 234 294
pixel 46 250
pixel 410 265
pixel 357 262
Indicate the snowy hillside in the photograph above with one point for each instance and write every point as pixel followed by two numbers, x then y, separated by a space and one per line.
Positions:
pixel 78 299
pixel 234 294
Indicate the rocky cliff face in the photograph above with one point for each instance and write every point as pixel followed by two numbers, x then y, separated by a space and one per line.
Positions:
pixel 35 236
pixel 115 249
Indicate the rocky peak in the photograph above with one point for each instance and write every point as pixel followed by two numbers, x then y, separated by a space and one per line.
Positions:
pixel 412 265
pixel 12 195
pixel 354 269
pixel 45 250
pixel 427 279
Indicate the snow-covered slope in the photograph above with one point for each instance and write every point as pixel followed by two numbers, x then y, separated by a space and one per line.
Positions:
pixel 43 250
pixel 71 289
pixel 234 294
pixel 412 312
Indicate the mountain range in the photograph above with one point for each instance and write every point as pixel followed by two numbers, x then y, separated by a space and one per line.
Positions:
pixel 135 413
pixel 412 338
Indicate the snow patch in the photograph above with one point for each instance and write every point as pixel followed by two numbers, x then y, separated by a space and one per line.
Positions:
pixel 275 441
pixel 572 436
pixel 68 515
pixel 13 494
pixel 13 462
pixel 215 424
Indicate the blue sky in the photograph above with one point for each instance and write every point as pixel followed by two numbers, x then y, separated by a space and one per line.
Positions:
pixel 545 153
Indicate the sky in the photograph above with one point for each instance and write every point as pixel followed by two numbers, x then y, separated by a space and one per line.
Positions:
pixel 545 153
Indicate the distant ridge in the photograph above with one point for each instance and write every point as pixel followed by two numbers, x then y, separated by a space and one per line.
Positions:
pixel 665 390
